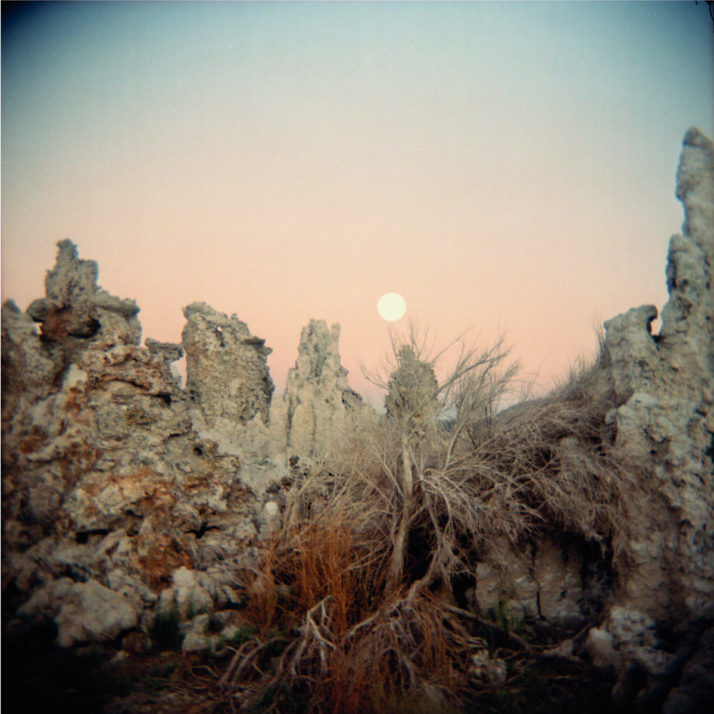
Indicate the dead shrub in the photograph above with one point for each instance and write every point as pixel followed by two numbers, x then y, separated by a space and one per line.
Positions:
pixel 331 634
pixel 345 597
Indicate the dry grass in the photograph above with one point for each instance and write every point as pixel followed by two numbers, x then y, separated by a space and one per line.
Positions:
pixel 551 464
pixel 345 599
pixel 331 639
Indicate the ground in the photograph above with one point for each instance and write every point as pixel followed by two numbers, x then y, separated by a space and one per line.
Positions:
pixel 38 677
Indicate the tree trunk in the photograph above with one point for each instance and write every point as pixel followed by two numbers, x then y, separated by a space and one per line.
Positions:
pixel 404 517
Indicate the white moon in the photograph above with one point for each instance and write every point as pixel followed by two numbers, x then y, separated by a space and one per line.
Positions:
pixel 391 307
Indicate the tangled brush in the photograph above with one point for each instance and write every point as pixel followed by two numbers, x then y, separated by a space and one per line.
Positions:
pixel 352 598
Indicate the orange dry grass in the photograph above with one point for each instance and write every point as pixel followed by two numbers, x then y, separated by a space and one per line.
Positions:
pixel 301 568
pixel 348 644
pixel 323 567
pixel 262 606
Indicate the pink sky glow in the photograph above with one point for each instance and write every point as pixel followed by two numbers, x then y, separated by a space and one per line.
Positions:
pixel 508 168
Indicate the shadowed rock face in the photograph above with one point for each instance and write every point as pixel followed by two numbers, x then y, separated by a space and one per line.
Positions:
pixel 665 421
pixel 665 433
pixel 660 389
pixel 118 485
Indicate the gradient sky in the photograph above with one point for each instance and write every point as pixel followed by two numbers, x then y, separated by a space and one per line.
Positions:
pixel 506 167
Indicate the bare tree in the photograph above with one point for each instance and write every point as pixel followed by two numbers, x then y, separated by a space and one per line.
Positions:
pixel 431 421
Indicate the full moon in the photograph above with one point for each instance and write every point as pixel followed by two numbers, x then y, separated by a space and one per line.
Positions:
pixel 391 307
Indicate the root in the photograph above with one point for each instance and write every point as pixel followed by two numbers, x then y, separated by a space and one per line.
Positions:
pixel 399 509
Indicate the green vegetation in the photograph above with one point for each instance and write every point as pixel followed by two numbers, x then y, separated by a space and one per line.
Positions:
pixel 243 634
pixel 165 631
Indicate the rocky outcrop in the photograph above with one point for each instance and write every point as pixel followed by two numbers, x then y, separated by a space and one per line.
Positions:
pixel 664 421
pixel 318 403
pixel 84 611
pixel 412 391
pixel 230 390
pixel 119 485
pixel 74 306
pixel 559 582
pixel 107 483
pixel 658 588
pixel 227 371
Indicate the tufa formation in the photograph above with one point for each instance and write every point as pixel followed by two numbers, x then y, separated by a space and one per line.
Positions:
pixel 125 496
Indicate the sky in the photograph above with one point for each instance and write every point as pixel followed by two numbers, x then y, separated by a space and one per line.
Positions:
pixel 508 168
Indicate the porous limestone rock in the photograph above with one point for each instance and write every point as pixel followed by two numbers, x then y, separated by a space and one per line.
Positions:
pixel 112 472
pixel 226 366
pixel 318 402
pixel 665 417
pixel 558 581
pixel 230 390
pixel 104 477
pixel 557 573
pixel 634 636
pixel 412 391
pixel 509 590
pixel 660 431
pixel 600 646
pixel 45 602
pixel 271 517
pixel 74 306
pixel 29 365
pixel 91 612
pixel 83 611
pixel 197 637
pixel 213 631
pixel 191 592
pixel 664 421
pixel 486 670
